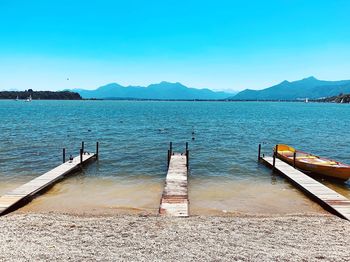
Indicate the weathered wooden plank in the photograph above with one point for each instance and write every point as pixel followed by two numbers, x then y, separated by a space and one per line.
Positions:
pixel 12 198
pixel 325 196
pixel 174 200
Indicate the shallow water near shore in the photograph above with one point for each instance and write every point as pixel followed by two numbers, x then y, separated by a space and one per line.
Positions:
pixel 134 137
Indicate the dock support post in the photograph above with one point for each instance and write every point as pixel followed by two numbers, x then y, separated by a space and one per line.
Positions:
pixel 187 158
pixel 82 146
pixel 274 157
pixel 187 155
pixel 294 157
pixel 96 150
pixel 259 152
pixel 64 155
pixel 170 152
pixel 81 156
pixel 169 156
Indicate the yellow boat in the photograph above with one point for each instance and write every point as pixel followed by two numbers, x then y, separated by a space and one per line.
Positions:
pixel 314 164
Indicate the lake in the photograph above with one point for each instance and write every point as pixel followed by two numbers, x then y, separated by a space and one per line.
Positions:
pixel 134 137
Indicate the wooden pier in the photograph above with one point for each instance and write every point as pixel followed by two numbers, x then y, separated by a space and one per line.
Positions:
pixel 326 197
pixel 174 201
pixel 25 193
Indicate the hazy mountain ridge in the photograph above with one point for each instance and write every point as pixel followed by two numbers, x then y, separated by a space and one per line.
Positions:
pixel 306 88
pixel 163 90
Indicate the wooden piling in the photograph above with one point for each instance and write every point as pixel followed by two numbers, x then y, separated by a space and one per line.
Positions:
pixel 275 152
pixel 169 156
pixel 97 145
pixel 82 146
pixel 294 158
pixel 81 155
pixel 274 160
pixel 187 155
pixel 259 152
pixel 64 155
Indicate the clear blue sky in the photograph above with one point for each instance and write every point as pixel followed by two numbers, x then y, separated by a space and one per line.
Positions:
pixel 214 44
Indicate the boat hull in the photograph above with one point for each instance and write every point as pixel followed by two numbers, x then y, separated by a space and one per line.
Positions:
pixel 314 164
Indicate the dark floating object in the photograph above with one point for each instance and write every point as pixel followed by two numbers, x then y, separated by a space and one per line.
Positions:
pixel 193 138
pixel 162 130
pixel 89 130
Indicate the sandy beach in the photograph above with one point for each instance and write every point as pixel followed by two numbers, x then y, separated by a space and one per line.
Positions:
pixel 67 237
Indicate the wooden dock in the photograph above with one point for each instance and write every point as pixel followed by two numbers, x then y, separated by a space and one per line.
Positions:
pixel 25 193
pixel 326 197
pixel 174 201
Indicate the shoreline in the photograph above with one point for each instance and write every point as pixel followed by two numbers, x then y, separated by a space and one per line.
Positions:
pixel 178 100
pixel 57 236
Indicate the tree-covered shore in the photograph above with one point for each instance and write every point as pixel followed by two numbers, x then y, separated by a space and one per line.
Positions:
pixel 342 99
pixel 44 95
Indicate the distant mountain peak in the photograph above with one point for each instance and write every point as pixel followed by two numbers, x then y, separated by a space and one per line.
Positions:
pixel 284 82
pixel 169 83
pixel 310 78
pixel 164 83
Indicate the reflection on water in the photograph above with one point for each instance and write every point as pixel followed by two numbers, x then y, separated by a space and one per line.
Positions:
pixel 134 137
pixel 342 188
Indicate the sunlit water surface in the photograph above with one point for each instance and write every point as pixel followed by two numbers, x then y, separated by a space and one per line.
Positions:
pixel 129 176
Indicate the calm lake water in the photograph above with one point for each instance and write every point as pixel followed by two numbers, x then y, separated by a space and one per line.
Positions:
pixel 134 138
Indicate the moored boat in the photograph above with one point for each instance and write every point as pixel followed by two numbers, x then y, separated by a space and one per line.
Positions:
pixel 29 99
pixel 314 164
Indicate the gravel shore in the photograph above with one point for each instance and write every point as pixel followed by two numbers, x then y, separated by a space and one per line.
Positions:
pixel 64 237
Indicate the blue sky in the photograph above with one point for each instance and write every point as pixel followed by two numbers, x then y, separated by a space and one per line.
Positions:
pixel 222 45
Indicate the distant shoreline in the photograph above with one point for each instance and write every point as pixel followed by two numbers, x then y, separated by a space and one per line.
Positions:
pixel 206 100
pixel 159 100
pixel 177 100
pixel 39 95
pixel 187 100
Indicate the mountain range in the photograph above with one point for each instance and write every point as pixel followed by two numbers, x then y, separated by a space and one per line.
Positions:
pixel 161 91
pixel 310 87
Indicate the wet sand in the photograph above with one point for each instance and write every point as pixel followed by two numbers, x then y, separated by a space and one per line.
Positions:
pixel 64 237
